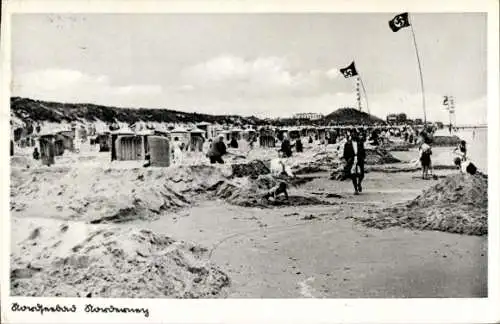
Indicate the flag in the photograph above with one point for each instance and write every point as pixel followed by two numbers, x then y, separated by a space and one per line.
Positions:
pixel 400 21
pixel 349 71
pixel 445 101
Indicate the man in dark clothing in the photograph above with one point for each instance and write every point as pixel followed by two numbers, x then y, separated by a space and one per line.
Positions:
pixel 361 155
pixel 348 156
pixel 354 154
pixel 233 143
pixel 36 154
pixel 286 147
pixel 217 150
pixel 298 145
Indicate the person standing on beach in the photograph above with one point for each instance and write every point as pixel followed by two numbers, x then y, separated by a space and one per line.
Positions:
pixel 177 150
pixel 233 143
pixel 216 151
pixel 36 154
pixel 298 145
pixel 352 167
pixel 286 147
pixel 360 157
pixel 425 158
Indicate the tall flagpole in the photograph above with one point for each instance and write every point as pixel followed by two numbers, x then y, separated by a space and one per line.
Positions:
pixel 358 95
pixel 420 70
pixel 364 91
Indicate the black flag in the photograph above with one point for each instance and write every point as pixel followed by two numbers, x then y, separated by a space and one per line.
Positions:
pixel 400 21
pixel 349 71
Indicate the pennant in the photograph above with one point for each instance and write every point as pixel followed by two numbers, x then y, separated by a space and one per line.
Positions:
pixel 349 71
pixel 399 21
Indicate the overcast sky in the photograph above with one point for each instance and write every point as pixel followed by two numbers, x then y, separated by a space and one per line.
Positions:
pixel 252 64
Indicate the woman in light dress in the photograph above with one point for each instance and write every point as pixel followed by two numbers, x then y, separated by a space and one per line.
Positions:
pixel 177 151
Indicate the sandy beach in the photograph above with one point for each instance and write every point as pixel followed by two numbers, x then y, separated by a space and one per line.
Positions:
pixel 201 231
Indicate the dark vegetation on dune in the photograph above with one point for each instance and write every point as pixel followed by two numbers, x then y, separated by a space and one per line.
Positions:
pixel 39 111
pixel 30 110
pixel 351 116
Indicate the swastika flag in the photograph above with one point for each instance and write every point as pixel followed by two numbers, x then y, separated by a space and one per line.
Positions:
pixel 349 71
pixel 400 21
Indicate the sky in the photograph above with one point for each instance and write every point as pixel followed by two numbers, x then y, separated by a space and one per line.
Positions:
pixel 267 65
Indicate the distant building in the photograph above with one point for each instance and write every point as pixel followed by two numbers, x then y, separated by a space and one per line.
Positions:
pixel 392 118
pixel 401 118
pixel 396 118
pixel 309 116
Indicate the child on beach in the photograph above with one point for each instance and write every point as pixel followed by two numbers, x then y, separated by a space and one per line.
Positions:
pixel 425 159
pixel 277 190
pixel 279 168
pixel 462 148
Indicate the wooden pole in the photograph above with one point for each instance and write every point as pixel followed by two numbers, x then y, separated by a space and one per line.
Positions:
pixel 364 91
pixel 420 71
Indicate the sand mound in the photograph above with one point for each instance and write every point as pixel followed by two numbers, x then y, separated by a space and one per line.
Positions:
pixel 374 158
pixel 247 192
pixel 321 162
pixel 379 156
pixel 456 204
pixel 109 195
pixel 51 259
pixel 251 169
pixel 309 169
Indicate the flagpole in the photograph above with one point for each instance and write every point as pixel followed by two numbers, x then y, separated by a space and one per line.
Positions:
pixel 358 96
pixel 364 91
pixel 419 70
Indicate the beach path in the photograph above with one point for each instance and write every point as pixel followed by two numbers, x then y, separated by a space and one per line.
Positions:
pixel 318 252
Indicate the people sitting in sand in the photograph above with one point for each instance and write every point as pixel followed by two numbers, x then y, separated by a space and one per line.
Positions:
pixel 277 190
pixel 286 147
pixel 425 158
pixel 36 154
pixel 354 155
pixel 217 150
pixel 462 149
pixel 279 168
